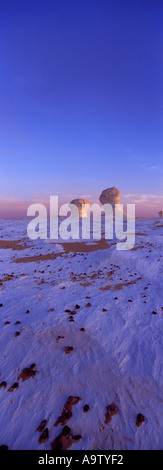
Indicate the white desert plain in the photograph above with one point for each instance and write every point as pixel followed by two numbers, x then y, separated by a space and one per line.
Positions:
pixel 81 341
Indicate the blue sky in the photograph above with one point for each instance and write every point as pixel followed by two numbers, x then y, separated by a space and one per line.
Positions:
pixel 81 98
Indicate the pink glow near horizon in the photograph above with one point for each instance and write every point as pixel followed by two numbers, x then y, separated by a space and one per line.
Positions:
pixel 146 205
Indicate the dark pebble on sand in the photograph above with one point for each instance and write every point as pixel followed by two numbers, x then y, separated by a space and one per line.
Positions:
pixel 139 419
pixel 13 387
pixel 3 384
pixel 66 430
pixel 77 437
pixel 44 436
pixel 85 408
pixel 42 425
pixel 68 349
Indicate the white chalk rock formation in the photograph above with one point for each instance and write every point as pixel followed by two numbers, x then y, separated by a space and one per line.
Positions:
pixel 161 213
pixel 82 206
pixel 110 196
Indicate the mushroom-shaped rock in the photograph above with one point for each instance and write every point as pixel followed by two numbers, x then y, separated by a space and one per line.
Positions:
pixel 161 213
pixel 82 206
pixel 110 196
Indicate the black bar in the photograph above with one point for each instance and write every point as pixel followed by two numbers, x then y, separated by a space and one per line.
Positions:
pixel 38 458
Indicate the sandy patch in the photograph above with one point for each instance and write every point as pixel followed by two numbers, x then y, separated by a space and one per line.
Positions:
pixel 84 247
pixel 13 245
pixel 139 234
pixel 137 248
pixel 86 284
pixel 37 258
pixel 70 247
pixel 7 277
pixel 120 285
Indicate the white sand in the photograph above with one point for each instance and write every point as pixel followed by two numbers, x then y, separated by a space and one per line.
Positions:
pixel 118 358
